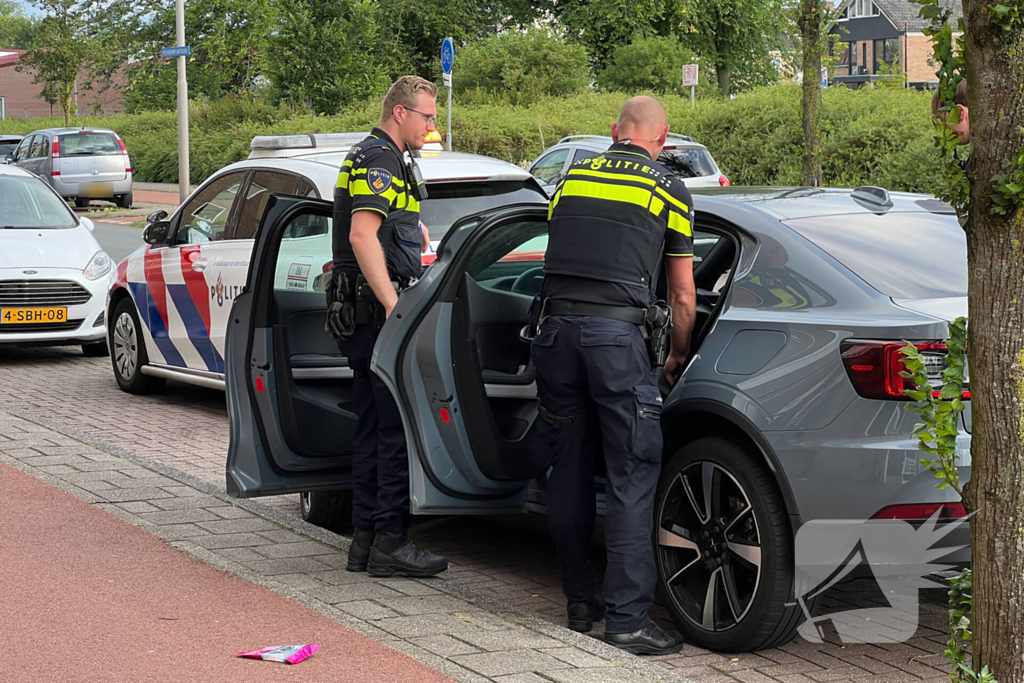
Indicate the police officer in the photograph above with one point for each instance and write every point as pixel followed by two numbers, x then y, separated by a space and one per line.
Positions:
pixel 614 220
pixel 377 241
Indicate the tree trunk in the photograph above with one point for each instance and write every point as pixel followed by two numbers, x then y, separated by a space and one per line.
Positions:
pixel 723 70
pixel 810 33
pixel 995 256
pixel 67 94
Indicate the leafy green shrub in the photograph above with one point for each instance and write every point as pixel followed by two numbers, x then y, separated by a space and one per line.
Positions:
pixel 520 67
pixel 653 64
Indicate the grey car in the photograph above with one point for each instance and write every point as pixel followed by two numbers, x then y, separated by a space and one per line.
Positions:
pixel 690 160
pixel 789 409
pixel 81 164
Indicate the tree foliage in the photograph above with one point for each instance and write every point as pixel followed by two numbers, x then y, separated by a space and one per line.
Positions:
pixel 61 52
pixel 605 25
pixel 650 64
pixel 16 30
pixel 521 67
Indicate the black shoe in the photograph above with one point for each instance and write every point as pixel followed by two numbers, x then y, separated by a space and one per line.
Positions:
pixel 582 615
pixel 650 640
pixel 359 551
pixel 393 554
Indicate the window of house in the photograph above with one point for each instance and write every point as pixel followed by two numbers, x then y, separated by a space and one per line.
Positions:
pixel 861 8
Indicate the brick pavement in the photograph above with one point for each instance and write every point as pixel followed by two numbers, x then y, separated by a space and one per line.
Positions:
pixel 184 430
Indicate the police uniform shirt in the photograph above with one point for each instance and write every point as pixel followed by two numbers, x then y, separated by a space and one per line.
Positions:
pixel 613 219
pixel 373 178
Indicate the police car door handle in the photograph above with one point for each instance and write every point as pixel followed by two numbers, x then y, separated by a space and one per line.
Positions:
pixel 199 265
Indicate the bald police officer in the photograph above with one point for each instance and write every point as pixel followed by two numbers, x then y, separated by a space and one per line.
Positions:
pixel 614 221
pixel 377 241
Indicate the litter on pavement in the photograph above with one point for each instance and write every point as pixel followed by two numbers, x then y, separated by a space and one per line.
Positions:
pixel 289 654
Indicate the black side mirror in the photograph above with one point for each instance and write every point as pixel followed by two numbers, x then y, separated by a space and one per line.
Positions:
pixel 8 159
pixel 156 217
pixel 156 233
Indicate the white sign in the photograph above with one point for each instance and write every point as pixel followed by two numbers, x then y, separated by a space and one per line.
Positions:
pixel 689 75
pixel 447 80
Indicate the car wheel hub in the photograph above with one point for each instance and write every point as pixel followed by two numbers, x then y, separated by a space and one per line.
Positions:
pixel 709 547
pixel 126 347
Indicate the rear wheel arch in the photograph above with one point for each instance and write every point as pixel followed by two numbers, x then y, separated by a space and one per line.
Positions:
pixel 690 420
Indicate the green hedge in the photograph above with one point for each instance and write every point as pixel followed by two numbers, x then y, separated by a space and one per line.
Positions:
pixel 876 137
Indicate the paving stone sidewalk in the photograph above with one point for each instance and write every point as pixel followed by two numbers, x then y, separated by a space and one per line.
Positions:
pixel 434 621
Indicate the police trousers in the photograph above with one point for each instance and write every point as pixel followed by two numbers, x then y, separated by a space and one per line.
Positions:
pixel 380 461
pixel 594 380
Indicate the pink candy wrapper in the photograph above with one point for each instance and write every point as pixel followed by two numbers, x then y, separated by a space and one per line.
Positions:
pixel 289 654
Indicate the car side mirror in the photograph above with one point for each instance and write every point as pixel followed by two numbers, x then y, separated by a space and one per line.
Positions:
pixel 87 222
pixel 156 233
pixel 156 217
pixel 8 159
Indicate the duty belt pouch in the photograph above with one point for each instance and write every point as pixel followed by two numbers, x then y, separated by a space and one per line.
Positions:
pixel 365 301
pixel 340 322
pixel 657 327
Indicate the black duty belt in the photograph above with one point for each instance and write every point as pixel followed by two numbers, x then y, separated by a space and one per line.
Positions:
pixel 627 314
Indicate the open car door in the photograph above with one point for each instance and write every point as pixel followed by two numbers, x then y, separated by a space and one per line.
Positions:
pixel 451 354
pixel 289 390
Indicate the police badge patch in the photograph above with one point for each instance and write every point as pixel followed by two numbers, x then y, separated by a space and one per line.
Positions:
pixel 378 179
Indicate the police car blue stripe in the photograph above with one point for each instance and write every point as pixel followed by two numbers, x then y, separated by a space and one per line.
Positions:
pixel 194 326
pixel 157 329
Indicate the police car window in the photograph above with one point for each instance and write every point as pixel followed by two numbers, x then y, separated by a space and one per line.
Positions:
pixel 450 202
pixel 582 154
pixel 549 168
pixel 205 217
pixel 511 258
pixel 689 162
pixel 305 257
pixel 263 184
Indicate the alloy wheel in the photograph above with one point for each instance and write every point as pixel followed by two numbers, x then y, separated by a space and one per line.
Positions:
pixel 709 547
pixel 126 346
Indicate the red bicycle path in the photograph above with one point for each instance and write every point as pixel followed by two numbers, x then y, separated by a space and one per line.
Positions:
pixel 85 596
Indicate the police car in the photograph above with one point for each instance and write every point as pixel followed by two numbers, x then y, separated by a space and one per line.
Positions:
pixel 170 303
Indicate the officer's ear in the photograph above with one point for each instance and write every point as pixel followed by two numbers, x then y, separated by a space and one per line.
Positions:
pixel 615 131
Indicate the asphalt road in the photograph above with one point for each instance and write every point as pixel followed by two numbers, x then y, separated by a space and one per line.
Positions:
pixel 117 240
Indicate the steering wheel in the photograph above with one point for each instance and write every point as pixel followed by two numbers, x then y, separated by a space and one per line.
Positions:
pixel 524 278
pixel 16 213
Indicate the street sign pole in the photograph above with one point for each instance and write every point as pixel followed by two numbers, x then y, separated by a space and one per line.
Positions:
pixel 693 101
pixel 183 170
pixel 447 59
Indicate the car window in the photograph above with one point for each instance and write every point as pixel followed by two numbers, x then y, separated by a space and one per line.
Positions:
pixel 205 217
pixel 305 258
pixel 689 162
pixel 549 168
pixel 263 184
pixel 29 203
pixel 36 150
pixel 448 202
pixel 7 149
pixel 24 147
pixel 896 253
pixel 582 154
pixel 89 144
pixel 511 258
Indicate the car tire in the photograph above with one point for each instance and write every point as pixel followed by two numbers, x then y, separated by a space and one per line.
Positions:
pixel 749 557
pixel 328 509
pixel 128 351
pixel 124 201
pixel 81 203
pixel 96 349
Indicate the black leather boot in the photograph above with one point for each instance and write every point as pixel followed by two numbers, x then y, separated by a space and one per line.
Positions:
pixel 359 551
pixel 582 615
pixel 393 554
pixel 650 640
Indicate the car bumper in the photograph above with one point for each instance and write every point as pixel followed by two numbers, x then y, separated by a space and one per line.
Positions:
pixel 89 316
pixel 73 190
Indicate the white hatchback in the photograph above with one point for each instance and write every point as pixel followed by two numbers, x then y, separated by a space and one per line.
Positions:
pixel 54 277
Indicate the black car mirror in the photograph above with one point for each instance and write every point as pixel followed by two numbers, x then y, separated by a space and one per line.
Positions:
pixel 156 233
pixel 8 159
pixel 156 217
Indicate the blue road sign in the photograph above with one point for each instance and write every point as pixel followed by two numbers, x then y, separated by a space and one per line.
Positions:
pixel 447 55
pixel 183 51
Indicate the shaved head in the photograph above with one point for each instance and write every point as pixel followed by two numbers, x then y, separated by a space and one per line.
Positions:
pixel 642 117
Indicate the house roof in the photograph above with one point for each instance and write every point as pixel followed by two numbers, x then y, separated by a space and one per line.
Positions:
pixel 898 11
pixel 9 57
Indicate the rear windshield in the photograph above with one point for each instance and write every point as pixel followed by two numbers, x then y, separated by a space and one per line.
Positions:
pixel 29 203
pixel 7 149
pixel 448 202
pixel 689 162
pixel 89 144
pixel 902 255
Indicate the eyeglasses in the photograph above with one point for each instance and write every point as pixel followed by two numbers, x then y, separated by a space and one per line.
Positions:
pixel 431 120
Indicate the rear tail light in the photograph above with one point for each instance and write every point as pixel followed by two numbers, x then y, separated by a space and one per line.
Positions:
pixel 328 267
pixel 723 181
pixel 121 143
pixel 874 368
pixel 54 173
pixel 921 511
pixel 127 164
pixel 55 150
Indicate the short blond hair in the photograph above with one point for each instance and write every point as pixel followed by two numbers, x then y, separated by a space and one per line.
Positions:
pixel 403 92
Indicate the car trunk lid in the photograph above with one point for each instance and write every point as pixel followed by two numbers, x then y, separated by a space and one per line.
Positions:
pixel 91 157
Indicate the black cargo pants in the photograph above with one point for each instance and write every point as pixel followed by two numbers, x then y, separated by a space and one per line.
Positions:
pixel 380 461
pixel 595 374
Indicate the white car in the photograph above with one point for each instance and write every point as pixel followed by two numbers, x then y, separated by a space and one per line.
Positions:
pixel 171 302
pixel 54 277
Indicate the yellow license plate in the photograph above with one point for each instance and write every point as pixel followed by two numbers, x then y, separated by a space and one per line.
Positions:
pixel 99 190
pixel 22 316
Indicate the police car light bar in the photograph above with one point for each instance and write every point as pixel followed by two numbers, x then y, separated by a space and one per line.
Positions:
pixel 306 141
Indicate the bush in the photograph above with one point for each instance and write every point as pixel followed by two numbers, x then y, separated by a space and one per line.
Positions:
pixel 517 68
pixel 869 137
pixel 653 64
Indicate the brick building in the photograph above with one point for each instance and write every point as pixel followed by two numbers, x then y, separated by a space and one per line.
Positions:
pixel 873 33
pixel 20 98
